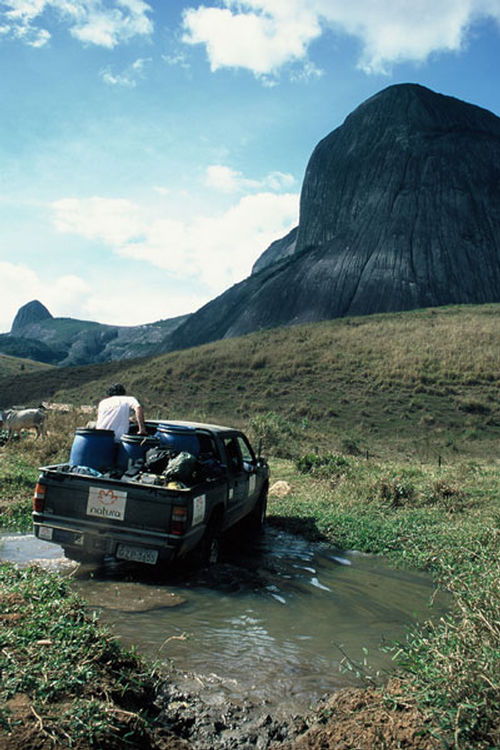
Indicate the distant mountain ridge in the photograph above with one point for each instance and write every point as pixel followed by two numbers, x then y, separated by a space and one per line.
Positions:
pixel 399 210
pixel 36 334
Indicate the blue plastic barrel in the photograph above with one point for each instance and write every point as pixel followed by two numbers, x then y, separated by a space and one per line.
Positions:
pixel 134 447
pixel 178 438
pixel 94 448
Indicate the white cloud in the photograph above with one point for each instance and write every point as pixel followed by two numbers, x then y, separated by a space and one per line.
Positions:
pixel 218 250
pixel 162 190
pixel 265 35
pixel 261 41
pixel 112 220
pixel 215 251
pixel 127 78
pixel 105 23
pixel 228 180
pixel 106 305
pixel 71 296
pixel 20 284
pixel 177 59
pixel 191 260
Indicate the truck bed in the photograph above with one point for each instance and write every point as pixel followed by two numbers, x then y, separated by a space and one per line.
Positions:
pixel 146 517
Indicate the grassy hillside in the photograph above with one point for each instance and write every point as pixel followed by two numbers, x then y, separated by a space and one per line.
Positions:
pixel 11 367
pixel 406 389
pixel 421 384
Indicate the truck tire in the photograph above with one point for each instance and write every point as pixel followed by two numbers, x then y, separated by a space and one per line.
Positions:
pixel 255 520
pixel 208 552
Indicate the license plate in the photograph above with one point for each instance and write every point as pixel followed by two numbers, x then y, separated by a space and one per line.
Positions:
pixel 137 554
pixel 45 532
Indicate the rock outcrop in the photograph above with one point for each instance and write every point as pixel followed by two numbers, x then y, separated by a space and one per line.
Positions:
pixel 32 312
pixel 400 209
pixel 277 250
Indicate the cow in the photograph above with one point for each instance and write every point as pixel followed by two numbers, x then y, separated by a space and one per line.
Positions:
pixel 24 419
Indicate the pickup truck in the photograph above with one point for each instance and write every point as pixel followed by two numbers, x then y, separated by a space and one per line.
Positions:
pixel 142 516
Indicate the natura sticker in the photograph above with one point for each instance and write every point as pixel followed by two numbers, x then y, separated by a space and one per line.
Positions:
pixel 105 503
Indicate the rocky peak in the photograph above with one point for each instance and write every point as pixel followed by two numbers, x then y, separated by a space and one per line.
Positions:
pixel 399 209
pixel 32 312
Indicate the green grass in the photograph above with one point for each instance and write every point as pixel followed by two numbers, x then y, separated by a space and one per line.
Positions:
pixel 421 384
pixel 388 430
pixel 17 480
pixel 444 520
pixel 14 366
pixel 65 680
pixel 20 460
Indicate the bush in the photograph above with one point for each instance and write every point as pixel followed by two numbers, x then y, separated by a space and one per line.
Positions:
pixel 454 664
pixel 277 434
pixel 397 491
pixel 329 465
pixel 447 494
pixel 473 406
pixel 350 446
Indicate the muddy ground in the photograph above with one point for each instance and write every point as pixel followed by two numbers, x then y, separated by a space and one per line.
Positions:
pixel 352 719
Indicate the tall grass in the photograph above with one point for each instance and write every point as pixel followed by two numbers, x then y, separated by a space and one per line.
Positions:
pixel 14 366
pixel 423 384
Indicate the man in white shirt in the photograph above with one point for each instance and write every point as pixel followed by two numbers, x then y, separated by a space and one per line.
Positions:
pixel 113 412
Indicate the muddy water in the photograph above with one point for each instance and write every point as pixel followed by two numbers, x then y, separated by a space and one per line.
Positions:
pixel 271 623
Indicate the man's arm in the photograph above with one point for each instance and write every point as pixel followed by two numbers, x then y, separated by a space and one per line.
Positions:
pixel 139 415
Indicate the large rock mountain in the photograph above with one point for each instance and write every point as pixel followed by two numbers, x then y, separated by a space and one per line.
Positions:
pixel 400 209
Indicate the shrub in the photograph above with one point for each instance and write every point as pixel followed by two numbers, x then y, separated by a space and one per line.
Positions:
pixel 447 494
pixel 473 406
pixel 455 663
pixel 350 446
pixel 397 491
pixel 276 433
pixel 326 466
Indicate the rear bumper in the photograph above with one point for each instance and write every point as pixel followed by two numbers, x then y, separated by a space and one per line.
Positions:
pixel 93 542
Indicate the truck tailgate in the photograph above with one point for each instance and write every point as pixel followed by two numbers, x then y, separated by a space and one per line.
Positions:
pixel 107 502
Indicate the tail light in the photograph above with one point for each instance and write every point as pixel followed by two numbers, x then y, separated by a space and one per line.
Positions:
pixel 178 521
pixel 39 497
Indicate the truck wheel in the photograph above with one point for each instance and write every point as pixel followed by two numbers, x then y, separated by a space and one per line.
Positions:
pixel 209 547
pixel 213 551
pixel 256 519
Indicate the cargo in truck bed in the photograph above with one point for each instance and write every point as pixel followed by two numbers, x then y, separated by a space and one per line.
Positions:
pixel 160 498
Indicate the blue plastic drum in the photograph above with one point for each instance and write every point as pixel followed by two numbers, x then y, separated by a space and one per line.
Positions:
pixel 178 438
pixel 134 447
pixel 93 448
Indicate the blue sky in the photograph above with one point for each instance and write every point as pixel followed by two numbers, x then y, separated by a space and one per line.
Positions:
pixel 151 151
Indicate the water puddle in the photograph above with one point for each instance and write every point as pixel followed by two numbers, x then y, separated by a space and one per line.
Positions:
pixel 272 623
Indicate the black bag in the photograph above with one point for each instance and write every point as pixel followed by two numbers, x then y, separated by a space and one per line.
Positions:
pixel 181 468
pixel 156 460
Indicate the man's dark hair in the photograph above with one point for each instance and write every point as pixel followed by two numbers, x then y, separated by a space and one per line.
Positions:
pixel 116 389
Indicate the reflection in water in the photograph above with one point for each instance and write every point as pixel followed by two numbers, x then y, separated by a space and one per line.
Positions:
pixel 272 623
